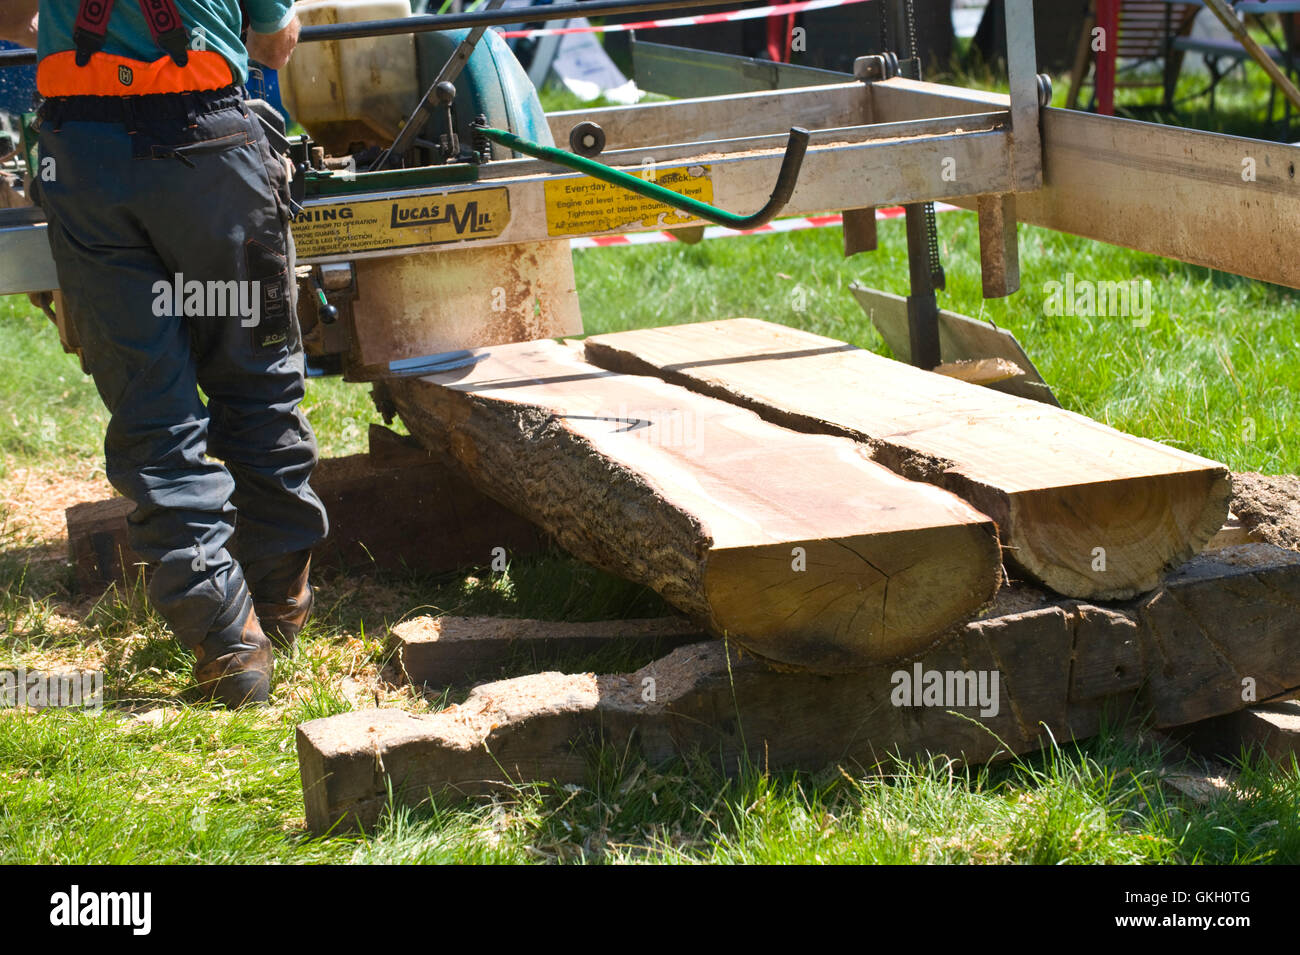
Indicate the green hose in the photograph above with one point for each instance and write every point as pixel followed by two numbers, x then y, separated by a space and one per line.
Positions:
pixel 795 149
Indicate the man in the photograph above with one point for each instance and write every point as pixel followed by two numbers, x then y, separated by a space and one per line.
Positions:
pixel 169 221
pixel 18 22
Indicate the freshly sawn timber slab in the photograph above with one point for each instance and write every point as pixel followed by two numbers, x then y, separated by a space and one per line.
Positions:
pixel 1084 509
pixel 796 546
pixel 1222 632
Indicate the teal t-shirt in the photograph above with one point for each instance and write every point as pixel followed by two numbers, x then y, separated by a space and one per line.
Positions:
pixel 212 24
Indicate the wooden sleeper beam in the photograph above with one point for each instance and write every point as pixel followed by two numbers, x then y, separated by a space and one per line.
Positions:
pixel 1032 666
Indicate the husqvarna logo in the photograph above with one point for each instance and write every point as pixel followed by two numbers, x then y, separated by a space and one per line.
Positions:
pixel 124 74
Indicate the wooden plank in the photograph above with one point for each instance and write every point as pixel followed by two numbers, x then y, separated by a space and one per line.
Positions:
pixel 1081 508
pixel 443 651
pixel 980 371
pixel 794 545
pixel 727 710
pixel 960 338
pixel 1198 197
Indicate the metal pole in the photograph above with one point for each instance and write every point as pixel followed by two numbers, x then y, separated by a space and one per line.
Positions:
pixel 922 306
pixel 922 267
pixel 451 21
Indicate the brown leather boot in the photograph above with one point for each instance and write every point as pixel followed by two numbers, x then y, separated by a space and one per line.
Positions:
pixel 233 665
pixel 282 595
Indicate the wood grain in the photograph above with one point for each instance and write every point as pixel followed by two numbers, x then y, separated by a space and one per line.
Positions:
pixel 1082 508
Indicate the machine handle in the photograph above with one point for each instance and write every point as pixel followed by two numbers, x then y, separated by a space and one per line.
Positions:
pixel 785 180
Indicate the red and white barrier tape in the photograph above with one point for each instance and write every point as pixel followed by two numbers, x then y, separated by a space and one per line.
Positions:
pixel 722 232
pixel 750 13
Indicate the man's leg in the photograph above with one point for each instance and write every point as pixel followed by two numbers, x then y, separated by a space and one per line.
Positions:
pixel 143 368
pixel 141 360
pixel 117 281
pixel 250 366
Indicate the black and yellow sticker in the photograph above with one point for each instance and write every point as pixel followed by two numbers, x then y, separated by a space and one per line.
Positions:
pixel 584 205
pixel 349 226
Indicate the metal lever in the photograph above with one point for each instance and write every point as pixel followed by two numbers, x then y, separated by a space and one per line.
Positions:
pixel 450 70
pixel 795 148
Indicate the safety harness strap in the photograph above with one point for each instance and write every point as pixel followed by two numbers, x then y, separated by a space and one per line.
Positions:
pixel 162 16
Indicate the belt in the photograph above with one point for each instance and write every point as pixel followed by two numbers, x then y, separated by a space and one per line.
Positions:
pixel 127 109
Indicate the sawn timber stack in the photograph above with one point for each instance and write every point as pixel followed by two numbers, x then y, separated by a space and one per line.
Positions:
pixel 1081 508
pixel 795 546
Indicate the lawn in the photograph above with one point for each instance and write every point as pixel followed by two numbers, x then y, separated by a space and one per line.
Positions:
pixel 152 779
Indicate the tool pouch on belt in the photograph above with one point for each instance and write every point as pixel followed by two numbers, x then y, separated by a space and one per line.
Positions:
pixel 272 268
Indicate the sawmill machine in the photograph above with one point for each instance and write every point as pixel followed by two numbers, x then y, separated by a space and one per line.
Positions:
pixel 435 210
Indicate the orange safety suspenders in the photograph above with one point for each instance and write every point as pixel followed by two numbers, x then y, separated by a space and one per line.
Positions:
pixel 162 16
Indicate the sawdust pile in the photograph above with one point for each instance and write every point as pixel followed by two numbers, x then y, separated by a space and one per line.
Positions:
pixel 32 502
pixel 1269 507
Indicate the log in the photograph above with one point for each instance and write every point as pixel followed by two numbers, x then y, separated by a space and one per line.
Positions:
pixel 411 514
pixel 443 651
pixel 794 545
pixel 1272 730
pixel 1268 507
pixel 1032 670
pixel 395 508
pixel 97 544
pixel 1083 509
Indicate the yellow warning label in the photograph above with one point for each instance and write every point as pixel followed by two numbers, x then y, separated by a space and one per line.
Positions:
pixel 348 226
pixel 584 205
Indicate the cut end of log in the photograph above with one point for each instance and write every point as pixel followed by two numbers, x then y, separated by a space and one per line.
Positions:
pixel 851 603
pixel 1113 540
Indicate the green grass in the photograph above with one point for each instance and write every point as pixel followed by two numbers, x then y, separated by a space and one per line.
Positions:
pixel 1213 372
pixel 152 779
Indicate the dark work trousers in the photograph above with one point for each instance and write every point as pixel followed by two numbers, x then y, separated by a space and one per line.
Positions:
pixel 145 194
